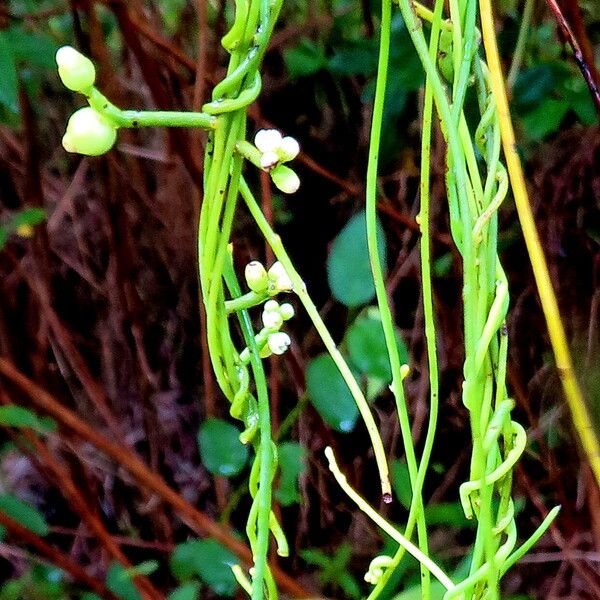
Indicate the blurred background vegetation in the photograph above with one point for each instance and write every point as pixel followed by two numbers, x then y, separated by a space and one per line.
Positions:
pixel 120 473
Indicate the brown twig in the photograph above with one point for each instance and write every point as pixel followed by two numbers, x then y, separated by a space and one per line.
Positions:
pixel 64 482
pixel 194 518
pixel 587 67
pixel 55 556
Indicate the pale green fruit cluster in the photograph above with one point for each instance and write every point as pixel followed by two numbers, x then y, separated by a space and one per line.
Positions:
pixel 88 132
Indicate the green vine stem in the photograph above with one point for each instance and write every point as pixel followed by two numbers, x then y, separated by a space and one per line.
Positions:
pixel 397 387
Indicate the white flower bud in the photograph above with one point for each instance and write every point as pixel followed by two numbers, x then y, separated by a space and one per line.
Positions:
pixel 76 71
pixel 288 149
pixel 88 132
pixel 271 306
pixel 272 319
pixel 281 280
pixel 268 160
pixel 404 371
pixel 279 342
pixel 287 311
pixel 285 179
pixel 256 277
pixel 268 140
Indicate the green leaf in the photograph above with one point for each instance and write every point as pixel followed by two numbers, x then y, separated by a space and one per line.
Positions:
pixel 354 58
pixel 29 216
pixel 545 118
pixel 305 59
pixel 32 48
pixel 118 581
pixel 330 395
pixel 348 266
pixel 448 513
pixel 367 348
pixel 538 83
pixel 414 593
pixel 220 448
pixel 208 560
pixel 8 75
pixel 187 591
pixel 291 463
pixel 144 568
pixel 401 482
pixel 24 513
pixel 18 416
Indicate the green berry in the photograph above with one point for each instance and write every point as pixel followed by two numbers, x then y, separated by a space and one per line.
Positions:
pixel 88 132
pixel 256 277
pixel 76 71
pixel 285 179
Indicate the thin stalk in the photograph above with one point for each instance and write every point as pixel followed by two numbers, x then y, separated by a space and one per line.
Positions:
pixel 385 525
pixel 519 53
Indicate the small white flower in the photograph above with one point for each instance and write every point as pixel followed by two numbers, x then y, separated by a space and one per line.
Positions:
pixel 268 160
pixel 276 149
pixel 279 277
pixel 289 148
pixel 271 306
pixel 272 319
pixel 279 342
pixel 268 140
pixel 287 311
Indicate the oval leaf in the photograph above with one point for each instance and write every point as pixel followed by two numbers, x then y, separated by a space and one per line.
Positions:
pixel 220 448
pixel 367 348
pixel 118 581
pixel 24 513
pixel 291 463
pixel 330 395
pixel 348 266
pixel 8 75
pixel 18 416
pixel 208 560
pixel 187 591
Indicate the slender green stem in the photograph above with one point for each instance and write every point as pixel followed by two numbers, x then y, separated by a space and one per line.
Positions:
pixel 387 320
pixel 519 53
pixel 385 525
pixel 149 118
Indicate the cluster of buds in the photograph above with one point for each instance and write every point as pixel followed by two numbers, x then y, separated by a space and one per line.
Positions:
pixel 273 317
pixel 273 281
pixel 88 132
pixel 275 150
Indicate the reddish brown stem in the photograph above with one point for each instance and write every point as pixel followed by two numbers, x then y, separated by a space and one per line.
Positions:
pixel 587 68
pixel 55 556
pixel 194 518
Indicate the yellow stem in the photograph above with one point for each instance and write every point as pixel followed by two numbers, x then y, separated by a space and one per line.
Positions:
pixel 581 418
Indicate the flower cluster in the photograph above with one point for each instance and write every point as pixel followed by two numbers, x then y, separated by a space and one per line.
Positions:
pixel 265 283
pixel 273 317
pixel 275 150
pixel 88 132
